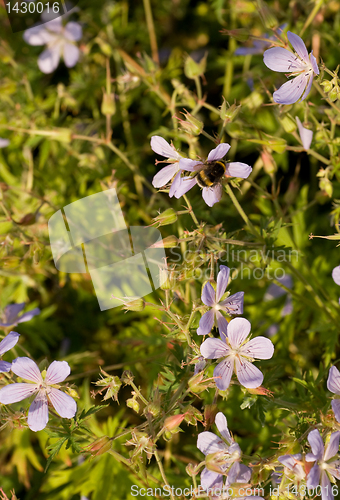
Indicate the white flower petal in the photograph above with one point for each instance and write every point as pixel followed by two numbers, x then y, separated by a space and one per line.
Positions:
pixel 282 60
pixel 163 148
pixel 49 59
pixel 175 184
pixel 190 165
pixel 71 54
pixel 184 186
pixel 291 91
pixel 13 393
pixel 73 31
pixel 222 426
pixel 208 442
pixel 219 152
pixel 333 446
pixel 336 408
pixel 238 331
pixel 309 86
pixel 248 375
pixel 314 64
pixel 38 413
pixel 212 195
pixel 165 175
pixel 211 479
pixel 258 348
pixel 27 369
pixel 62 403
pixel 8 342
pixel 333 381
pixel 4 143
pixel 336 275
pixel 38 35
pixel 57 372
pixel 214 349
pixel 298 45
pixel 223 373
pixel 238 169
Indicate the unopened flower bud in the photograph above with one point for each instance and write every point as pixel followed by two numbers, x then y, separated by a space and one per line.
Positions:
pixel 173 422
pixel 168 242
pixel 196 383
pixel 210 414
pixel 164 279
pixel 136 305
pixel 169 216
pixel 288 124
pixel 326 185
pixel 192 69
pixel 108 107
pixel 153 408
pixel 99 446
pixel 132 403
pixel 191 124
pixel 191 470
pixel 333 94
pixel 327 85
pixel 228 113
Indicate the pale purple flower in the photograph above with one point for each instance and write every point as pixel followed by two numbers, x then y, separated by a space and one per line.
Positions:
pixel 336 276
pixel 163 148
pixel 45 389
pixel 333 385
pixel 294 464
pixel 298 64
pixel 238 353
pixel 10 316
pixel 200 365
pixel 305 134
pixel 220 453
pixel 323 469
pixel 213 194
pixel 231 305
pixel 3 142
pixel 60 41
pixel 238 473
pixel 5 345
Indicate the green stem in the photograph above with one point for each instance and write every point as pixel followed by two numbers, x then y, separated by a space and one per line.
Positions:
pixel 135 388
pixel 319 89
pixel 194 218
pixel 311 16
pixel 151 30
pixel 241 211
pixel 161 470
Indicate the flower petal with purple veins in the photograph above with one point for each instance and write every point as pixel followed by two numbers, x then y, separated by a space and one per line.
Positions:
pixel 305 134
pixel 313 478
pixel 316 444
pixel 222 282
pixel 238 169
pixel 223 373
pixel 175 184
pixel 282 60
pixel 27 369
pixel 336 275
pixel 38 413
pixel 163 148
pixel 336 408
pixel 5 366
pixel 212 195
pixel 13 393
pixel 314 64
pixel 208 295
pixel 70 54
pixel 233 304
pixel 208 442
pixel 222 324
pixel 291 91
pixel 222 426
pixel 186 184
pixel 238 331
pixel 248 375
pixel 333 381
pixel 165 175
pixel 326 489
pixel 258 348
pixel 333 446
pixel 298 45
pixel 62 403
pixel 57 372
pixel 308 88
pixel 206 323
pixel 8 342
pixel 219 152
pixel 211 479
pixel 214 349
pixel 334 469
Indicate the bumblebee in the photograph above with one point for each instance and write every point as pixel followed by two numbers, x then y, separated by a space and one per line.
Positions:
pixel 211 174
